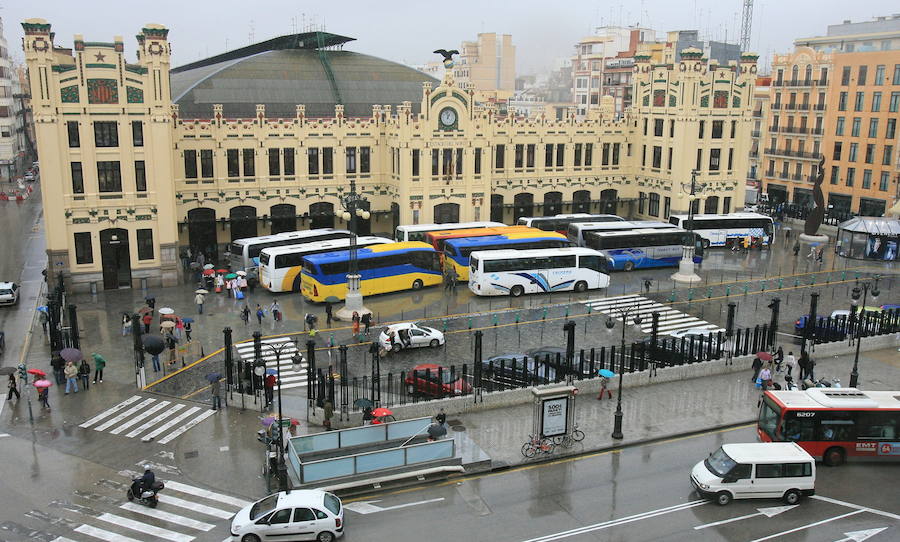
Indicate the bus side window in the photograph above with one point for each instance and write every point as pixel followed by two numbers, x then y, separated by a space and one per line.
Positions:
pixel 838 426
pixel 876 425
pixel 799 429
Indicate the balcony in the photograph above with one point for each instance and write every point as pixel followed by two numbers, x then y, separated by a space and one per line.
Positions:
pixel 757 114
pixel 776 106
pixel 819 107
pixel 754 133
pixel 793 154
pixel 796 107
pixel 801 83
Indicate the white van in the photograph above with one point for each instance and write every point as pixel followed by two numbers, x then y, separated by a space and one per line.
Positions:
pixel 756 470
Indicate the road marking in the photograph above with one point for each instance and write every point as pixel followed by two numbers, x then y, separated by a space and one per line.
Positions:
pixel 62 539
pixel 2 435
pixel 669 319
pixel 782 533
pixel 143 415
pixel 124 415
pixel 145 528
pixel 166 516
pixel 206 494
pixel 103 535
pixel 366 507
pixel 858 507
pixel 169 424
pixel 860 536
pixel 107 412
pixel 768 512
pixel 175 408
pixel 202 508
pixel 617 522
pixel 176 433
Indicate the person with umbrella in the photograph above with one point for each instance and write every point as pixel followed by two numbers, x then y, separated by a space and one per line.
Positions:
pixel 605 375
pixel 171 345
pixel 71 373
pixel 187 328
pixel 13 388
pixel 99 364
pixel 245 314
pixel 199 299
pixel 269 386
pixel 147 320
pixel 43 387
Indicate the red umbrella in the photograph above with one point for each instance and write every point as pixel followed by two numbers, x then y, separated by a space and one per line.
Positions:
pixel 764 356
pixel 42 384
pixel 381 411
pixel 223 271
pixel 36 372
pixel 208 272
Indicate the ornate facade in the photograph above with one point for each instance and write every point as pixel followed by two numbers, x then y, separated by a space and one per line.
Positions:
pixel 203 182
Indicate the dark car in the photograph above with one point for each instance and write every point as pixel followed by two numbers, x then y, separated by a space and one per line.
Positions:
pixel 436 381
pixel 517 370
pixel 835 330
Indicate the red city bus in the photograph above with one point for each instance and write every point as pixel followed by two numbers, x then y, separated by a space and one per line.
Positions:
pixel 834 424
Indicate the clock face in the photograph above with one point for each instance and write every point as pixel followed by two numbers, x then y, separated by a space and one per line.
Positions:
pixel 448 117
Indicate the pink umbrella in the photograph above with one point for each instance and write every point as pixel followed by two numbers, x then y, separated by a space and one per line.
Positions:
pixel 42 383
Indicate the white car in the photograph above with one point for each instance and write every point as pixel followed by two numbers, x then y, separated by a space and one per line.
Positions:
pixel 409 335
pixel 305 514
pixel 9 293
pixel 691 332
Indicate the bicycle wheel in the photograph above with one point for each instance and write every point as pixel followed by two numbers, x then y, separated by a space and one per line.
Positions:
pixel 559 439
pixel 547 446
pixel 567 441
pixel 529 449
pixel 578 435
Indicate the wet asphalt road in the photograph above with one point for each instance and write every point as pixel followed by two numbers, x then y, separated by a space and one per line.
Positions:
pixel 637 494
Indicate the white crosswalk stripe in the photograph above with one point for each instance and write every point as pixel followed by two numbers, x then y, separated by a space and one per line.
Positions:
pixel 291 378
pixel 670 320
pixel 166 516
pixel 158 419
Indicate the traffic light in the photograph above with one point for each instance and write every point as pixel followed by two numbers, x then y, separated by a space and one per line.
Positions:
pixel 23 375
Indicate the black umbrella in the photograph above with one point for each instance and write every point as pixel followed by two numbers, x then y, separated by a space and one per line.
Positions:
pixel 71 354
pixel 436 430
pixel 7 371
pixel 362 402
pixel 212 377
pixel 153 344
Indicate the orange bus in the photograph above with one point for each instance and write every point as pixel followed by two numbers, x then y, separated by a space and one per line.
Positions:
pixel 437 238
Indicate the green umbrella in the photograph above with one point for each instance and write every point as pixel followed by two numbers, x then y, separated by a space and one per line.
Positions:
pixel 230 276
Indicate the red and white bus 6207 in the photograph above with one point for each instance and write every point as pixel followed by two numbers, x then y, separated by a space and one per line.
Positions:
pixel 834 424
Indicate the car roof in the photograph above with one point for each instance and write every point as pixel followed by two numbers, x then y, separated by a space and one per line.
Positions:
pixel 6 284
pixel 763 452
pixel 300 497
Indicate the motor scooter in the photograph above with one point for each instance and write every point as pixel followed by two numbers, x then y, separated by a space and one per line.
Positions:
pixel 146 497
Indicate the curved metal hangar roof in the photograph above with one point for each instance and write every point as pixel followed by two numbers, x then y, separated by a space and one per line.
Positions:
pixel 284 72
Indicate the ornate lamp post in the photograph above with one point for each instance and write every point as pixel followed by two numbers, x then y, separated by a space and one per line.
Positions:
pixel 686 272
pixel 624 313
pixel 354 207
pixel 859 312
pixel 295 365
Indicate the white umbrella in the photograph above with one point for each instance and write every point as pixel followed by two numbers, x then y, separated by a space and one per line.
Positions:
pixel 208 266
pixel 166 310
pixel 242 273
pixel 201 291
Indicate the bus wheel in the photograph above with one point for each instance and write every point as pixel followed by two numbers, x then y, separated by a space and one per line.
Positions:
pixel 581 286
pixel 833 456
pixel 418 284
pixel 296 286
pixel 629 266
pixel 516 291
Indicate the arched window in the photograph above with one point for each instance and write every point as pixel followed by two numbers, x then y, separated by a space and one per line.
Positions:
pixel 552 203
pixel 284 217
pixel 496 208
pixel 795 73
pixel 524 205
pixel 581 201
pixel 808 77
pixel 608 201
pixel 712 205
pixel 202 233
pixel 445 213
pixel 243 222
pixel 321 215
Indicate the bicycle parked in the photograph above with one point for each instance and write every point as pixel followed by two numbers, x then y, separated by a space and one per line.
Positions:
pixel 537 443
pixel 569 439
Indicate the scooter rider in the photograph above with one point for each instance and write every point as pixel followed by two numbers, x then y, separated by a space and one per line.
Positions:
pixel 145 482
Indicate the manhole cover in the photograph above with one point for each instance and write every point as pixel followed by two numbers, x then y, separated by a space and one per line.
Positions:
pixel 191 455
pixel 458 428
pixel 454 422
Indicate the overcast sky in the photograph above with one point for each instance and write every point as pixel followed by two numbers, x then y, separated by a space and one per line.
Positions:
pixel 407 31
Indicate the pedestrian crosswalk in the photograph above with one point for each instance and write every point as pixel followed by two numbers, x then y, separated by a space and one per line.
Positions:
pixel 162 420
pixel 289 377
pixel 185 513
pixel 670 320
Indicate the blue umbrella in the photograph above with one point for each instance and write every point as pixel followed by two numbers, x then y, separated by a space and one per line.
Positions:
pixel 271 372
pixel 606 373
pixel 42 308
pixel 187 320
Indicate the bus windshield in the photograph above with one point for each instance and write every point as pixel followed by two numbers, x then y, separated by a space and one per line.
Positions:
pixel 768 417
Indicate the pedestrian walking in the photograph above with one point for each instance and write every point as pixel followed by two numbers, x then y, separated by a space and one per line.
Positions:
pixel 309 322
pixel 236 289
pixel 44 397
pixel 260 314
pixel 328 413
pixel 797 249
pixel 355 320
pixel 84 374
pixel 269 388
pixel 790 362
pixel 245 314
pixel 13 388
pixel 126 324
pixel 171 345
pixel 151 301
pixel 44 319
pixel 803 363
pixel 604 381
pixel 199 299
pixel 756 366
pixel 99 365
pixel 275 309
pixel 820 254
pixel 812 252
pixel 71 373
pixel 454 277
pixel 58 365
pixel 329 316
pixel 187 331
pixel 215 389
pixel 779 358
pixel 367 322
pixel 811 369
pixel 220 283
pixel 155 358
pixel 765 377
pixel 367 416
pixel 242 283
pixel 179 328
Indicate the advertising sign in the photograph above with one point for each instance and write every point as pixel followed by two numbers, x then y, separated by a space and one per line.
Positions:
pixel 553 421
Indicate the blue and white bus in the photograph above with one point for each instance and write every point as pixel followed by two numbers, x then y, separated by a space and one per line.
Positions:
pixel 517 272
pixel 638 249
pixel 560 223
pixel 456 251
pixel 724 230
pixel 576 231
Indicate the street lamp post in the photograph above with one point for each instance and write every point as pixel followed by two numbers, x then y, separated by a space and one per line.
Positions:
pixel 295 365
pixel 354 206
pixel 624 313
pixel 860 329
pixel 686 272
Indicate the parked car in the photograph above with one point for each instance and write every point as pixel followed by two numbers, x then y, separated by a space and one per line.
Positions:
pixel 836 330
pixel 304 514
pixel 409 335
pixel 29 175
pixel 9 293
pixel 436 381
pixel 517 370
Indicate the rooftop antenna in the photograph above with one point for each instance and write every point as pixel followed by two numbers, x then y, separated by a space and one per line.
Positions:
pixel 252 33
pixel 746 24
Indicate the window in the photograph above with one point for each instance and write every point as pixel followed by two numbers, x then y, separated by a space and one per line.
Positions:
pixel 365 160
pixel 658 127
pixel 861 77
pixel 851 176
pixel 669 162
pixel 288 162
pixel 106 134
pixel 795 470
pixel 577 154
pixel 891 128
pixel 477 161
pixel 560 154
pixel 733 129
pixel 657 156
pixel 249 156
pixel 137 133
pixel 74 137
pixel 303 514
pixel 435 162
pixel 327 161
pixel 867 178
pixel 588 154
pixel 77 178
pixel 351 159
pixel 839 127
pixel 717 129
pixel 769 471
pixel 234 168
pixel 145 244
pixel 835 174
pixel 643 155
pixel 876 102
pixel 274 163
pixel 730 159
pixel 84 252
pixel 699 165
pixel 823 76
pixel 109 176
pixel 870 153
pixel 312 156
pixel 896 79
pixel 894 104
pixel 714 155
pixel 653 209
pixel 206 163
pixel 842 101
pixel 879 74
pixel 645 126
pixel 415 162
pixel 499 157
pixel 883 181
pixel 604 155
pixel 281 516
pixel 671 128
pixel 548 155
pixel 852 154
pixel 190 164
pixel 873 127
pixel 615 153
pixel 642 198
pixel 860 101
pixel 845 76
pixel 667 206
pixel 140 176
pixel 702 126
pixel 888 154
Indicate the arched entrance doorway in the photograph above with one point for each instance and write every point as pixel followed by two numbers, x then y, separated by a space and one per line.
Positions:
pixel 608 201
pixel 712 205
pixel 446 213
pixel 243 222
pixel 496 208
pixel 202 233
pixel 284 217
pixel 321 215
pixel 524 206
pixel 552 203
pixel 116 259
pixel 581 201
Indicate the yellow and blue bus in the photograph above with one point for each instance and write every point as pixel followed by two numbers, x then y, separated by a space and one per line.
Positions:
pixel 456 251
pixel 390 267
